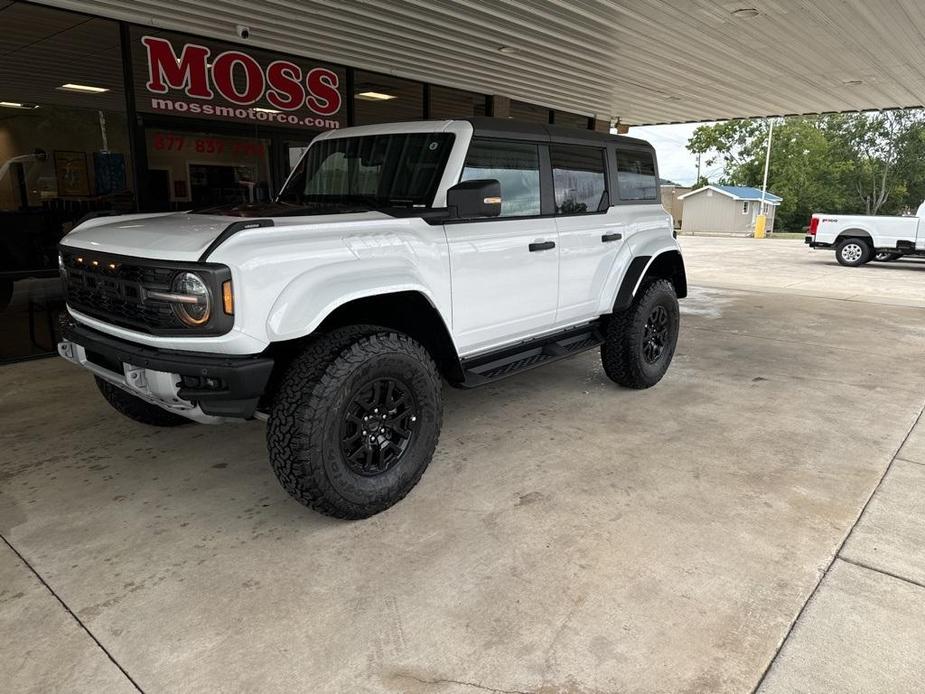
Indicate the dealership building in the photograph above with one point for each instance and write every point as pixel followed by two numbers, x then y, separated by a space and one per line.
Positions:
pixel 156 106
pixel 100 113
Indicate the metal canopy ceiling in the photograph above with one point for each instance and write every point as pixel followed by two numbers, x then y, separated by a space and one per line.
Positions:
pixel 637 61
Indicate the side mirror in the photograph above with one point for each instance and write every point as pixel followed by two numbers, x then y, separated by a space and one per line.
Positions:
pixel 478 198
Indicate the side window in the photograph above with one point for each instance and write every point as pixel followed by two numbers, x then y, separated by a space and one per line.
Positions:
pixel 579 179
pixel 515 165
pixel 744 208
pixel 636 175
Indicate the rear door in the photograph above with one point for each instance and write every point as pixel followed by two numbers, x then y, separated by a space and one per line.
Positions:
pixel 591 232
pixel 505 269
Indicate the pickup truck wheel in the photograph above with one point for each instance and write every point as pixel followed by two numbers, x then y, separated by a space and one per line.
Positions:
pixel 853 252
pixel 135 408
pixel 640 341
pixel 355 421
pixel 887 257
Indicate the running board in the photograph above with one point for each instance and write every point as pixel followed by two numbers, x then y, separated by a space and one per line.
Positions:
pixel 488 368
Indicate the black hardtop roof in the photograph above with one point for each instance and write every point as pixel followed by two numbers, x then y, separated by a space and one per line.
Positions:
pixel 486 126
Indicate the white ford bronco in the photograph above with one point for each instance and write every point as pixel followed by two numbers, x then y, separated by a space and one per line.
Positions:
pixel 858 239
pixel 395 257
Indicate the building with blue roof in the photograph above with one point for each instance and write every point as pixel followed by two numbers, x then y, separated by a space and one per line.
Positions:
pixel 728 210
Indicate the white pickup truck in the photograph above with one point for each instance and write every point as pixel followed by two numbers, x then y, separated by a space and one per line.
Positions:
pixel 858 239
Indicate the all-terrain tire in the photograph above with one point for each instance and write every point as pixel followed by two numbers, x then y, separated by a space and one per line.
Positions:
pixel 639 342
pixel 310 420
pixel 135 408
pixel 852 252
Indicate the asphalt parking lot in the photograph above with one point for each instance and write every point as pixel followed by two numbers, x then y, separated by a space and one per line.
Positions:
pixel 753 522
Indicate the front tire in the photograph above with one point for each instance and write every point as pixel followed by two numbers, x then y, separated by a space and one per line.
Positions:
pixel 640 342
pixel 355 421
pixel 137 409
pixel 853 252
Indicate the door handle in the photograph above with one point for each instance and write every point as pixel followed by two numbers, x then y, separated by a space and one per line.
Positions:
pixel 611 237
pixel 542 246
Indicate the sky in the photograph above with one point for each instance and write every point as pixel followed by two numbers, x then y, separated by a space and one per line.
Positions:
pixel 674 161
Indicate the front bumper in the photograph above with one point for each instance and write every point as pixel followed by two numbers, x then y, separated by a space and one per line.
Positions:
pixel 203 387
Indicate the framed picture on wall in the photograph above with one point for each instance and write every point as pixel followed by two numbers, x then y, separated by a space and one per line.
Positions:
pixel 71 174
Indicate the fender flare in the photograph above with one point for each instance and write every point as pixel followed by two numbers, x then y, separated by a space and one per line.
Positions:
pixel 313 296
pixel 636 273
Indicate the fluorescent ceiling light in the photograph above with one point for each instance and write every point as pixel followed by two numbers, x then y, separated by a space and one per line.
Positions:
pixel 508 50
pixel 82 88
pixel 16 104
pixel 266 110
pixel 745 13
pixel 374 96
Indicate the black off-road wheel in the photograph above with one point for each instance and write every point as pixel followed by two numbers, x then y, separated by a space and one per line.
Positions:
pixel 640 341
pixel 135 408
pixel 355 421
pixel 853 252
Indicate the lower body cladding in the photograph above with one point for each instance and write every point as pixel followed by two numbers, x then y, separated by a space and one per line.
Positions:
pixel 205 388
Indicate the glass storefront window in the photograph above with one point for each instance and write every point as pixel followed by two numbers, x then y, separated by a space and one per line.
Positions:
pixel 64 153
pixel 190 170
pixel 384 99
pixel 531 113
pixel 455 103
pixel 294 152
pixel 571 120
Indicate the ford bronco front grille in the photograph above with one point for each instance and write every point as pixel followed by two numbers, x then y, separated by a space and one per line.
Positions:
pixel 115 289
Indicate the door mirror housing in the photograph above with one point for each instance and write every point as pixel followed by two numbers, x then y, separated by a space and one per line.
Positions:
pixel 477 198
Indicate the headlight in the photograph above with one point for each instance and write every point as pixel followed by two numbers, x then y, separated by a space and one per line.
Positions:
pixel 196 307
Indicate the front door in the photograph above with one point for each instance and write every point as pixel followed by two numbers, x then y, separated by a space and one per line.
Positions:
pixel 505 269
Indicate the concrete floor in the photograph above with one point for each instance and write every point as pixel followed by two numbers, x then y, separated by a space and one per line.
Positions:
pixel 569 536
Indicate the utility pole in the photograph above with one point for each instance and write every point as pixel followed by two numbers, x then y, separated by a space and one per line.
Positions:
pixel 762 219
pixel 698 167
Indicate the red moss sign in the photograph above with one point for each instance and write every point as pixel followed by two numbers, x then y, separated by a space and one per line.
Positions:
pixel 204 80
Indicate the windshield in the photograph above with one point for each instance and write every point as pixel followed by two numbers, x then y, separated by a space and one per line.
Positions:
pixel 374 171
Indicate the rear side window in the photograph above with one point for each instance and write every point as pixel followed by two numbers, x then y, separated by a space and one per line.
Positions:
pixel 515 165
pixel 636 175
pixel 578 179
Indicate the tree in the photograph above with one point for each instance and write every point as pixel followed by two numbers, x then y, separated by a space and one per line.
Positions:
pixel 862 163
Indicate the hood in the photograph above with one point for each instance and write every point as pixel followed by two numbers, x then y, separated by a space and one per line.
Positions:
pixel 177 235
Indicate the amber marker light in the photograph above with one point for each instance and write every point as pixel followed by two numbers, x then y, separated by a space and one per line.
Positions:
pixel 227 298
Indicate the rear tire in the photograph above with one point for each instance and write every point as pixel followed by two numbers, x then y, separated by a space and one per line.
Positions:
pixel 137 409
pixel 355 421
pixel 640 341
pixel 853 252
